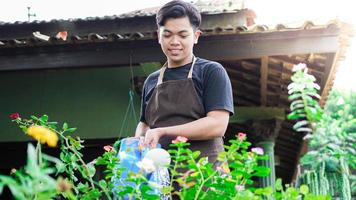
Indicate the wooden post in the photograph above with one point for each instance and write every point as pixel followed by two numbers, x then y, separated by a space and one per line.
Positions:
pixel 263 80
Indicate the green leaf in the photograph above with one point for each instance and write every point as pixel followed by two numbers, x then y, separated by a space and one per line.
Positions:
pixel 300 124
pixel 297 104
pixel 103 184
pixel 34 117
pixel 65 126
pixel 16 191
pixel 92 194
pixel 196 154
pixel 83 187
pixel 268 191
pixel 44 118
pixel 71 130
pixel 294 115
pixel 309 158
pixel 1 187
pixel 91 170
pixel 278 184
pixel 295 96
pixel 261 171
pixel 167 189
pixel 309 130
pixel 292 193
pixel 304 189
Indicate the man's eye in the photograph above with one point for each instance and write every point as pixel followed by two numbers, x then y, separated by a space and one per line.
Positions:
pixel 166 36
pixel 184 36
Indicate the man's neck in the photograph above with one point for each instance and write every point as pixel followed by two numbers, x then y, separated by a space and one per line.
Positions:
pixel 172 64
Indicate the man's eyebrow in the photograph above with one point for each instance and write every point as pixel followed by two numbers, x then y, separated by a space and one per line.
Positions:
pixel 169 31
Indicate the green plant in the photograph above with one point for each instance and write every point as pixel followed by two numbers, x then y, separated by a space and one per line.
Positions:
pixel 79 174
pixel 331 146
pixel 46 177
pixel 201 181
pixel 34 180
pixel 303 94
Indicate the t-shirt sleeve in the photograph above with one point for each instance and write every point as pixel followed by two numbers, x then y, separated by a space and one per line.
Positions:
pixel 217 93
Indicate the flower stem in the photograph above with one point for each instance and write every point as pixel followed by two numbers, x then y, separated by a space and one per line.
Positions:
pixel 174 170
pixel 79 158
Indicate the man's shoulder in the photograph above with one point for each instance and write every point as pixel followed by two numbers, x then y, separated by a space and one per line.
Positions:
pixel 153 76
pixel 206 64
pixel 208 68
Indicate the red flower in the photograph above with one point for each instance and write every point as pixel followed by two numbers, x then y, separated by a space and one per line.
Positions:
pixel 180 139
pixel 14 116
pixel 109 148
pixel 242 136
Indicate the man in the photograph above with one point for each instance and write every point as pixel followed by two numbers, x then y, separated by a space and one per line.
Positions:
pixel 188 96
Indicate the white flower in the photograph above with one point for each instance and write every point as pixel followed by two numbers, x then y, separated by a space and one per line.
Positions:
pixel 146 165
pixel 299 67
pixel 239 187
pixel 340 101
pixel 160 157
pixel 257 150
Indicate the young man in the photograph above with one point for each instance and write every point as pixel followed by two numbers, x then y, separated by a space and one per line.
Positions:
pixel 188 96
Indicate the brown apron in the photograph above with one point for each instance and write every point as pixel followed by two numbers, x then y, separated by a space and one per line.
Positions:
pixel 176 102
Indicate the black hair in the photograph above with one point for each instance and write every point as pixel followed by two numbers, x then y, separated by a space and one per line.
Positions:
pixel 178 9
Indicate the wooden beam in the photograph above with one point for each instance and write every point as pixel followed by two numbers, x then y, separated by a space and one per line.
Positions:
pixel 329 64
pixel 217 47
pixel 263 80
pixel 242 114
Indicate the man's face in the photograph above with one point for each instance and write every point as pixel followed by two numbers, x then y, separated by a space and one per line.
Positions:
pixel 177 38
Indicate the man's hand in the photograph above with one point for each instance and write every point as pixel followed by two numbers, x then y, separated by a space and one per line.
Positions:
pixel 152 137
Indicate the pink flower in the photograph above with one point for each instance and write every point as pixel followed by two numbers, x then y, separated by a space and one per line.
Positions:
pixel 180 139
pixel 242 136
pixel 257 150
pixel 14 116
pixel 109 148
pixel 239 187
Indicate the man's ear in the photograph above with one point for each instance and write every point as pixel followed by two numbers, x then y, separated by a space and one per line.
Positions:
pixel 159 36
pixel 196 36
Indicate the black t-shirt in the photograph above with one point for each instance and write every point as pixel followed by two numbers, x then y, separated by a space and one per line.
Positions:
pixel 210 80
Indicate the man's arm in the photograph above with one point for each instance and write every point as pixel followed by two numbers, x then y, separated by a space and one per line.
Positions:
pixel 141 129
pixel 212 126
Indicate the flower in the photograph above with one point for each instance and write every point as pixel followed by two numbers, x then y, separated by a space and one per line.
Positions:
pixel 180 139
pixel 160 157
pixel 239 187
pixel 14 116
pixel 43 135
pixel 146 165
pixel 299 67
pixel 223 168
pixel 257 150
pixel 13 171
pixel 242 136
pixel 63 185
pixel 109 148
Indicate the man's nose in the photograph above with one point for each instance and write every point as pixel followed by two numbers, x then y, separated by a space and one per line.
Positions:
pixel 175 40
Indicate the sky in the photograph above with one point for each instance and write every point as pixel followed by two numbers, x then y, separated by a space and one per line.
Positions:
pixel 268 12
pixel 16 10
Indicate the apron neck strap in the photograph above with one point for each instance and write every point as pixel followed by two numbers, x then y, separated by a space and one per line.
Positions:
pixel 164 67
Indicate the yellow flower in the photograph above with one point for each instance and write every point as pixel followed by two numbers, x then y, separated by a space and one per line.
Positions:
pixel 43 135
